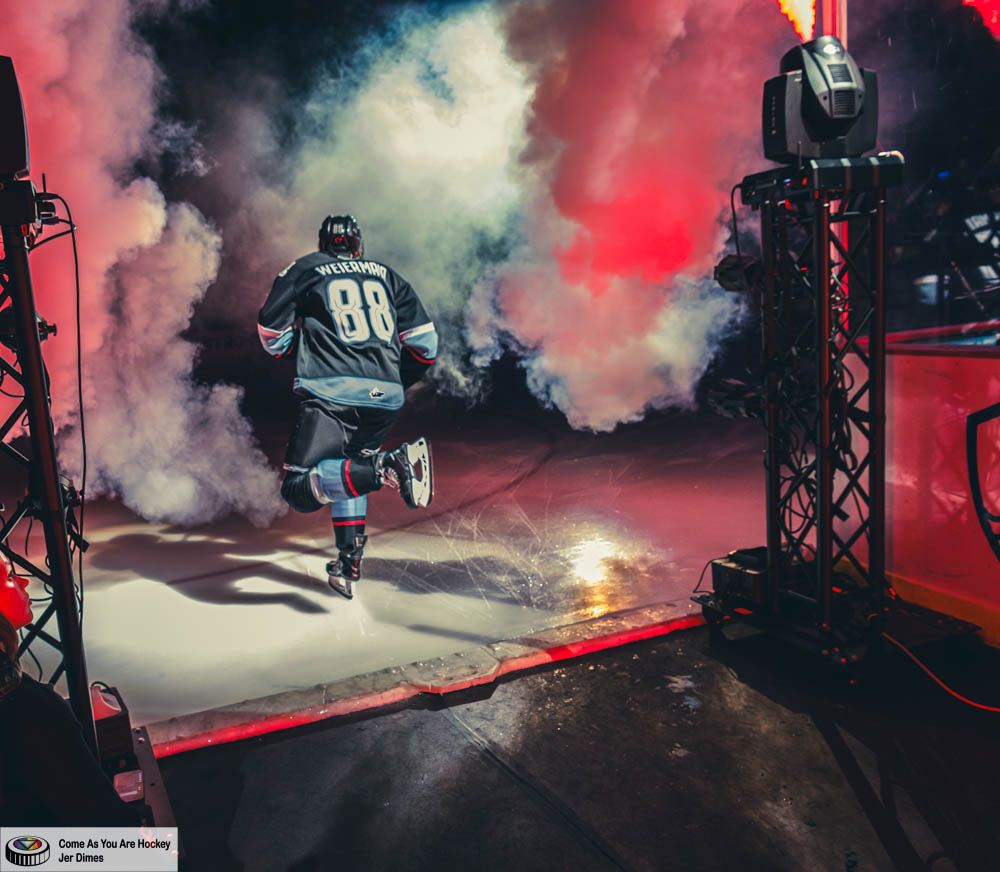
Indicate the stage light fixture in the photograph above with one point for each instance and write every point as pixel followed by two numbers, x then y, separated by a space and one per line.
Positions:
pixel 822 105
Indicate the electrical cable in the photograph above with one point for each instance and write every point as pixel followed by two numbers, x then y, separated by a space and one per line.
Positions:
pixel 3 377
pixel 938 681
pixel 701 577
pixel 53 238
pixel 79 390
pixel 736 229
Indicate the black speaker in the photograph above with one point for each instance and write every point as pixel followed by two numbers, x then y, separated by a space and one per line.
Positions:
pixel 13 128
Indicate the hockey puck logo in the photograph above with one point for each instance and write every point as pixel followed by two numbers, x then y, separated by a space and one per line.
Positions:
pixel 27 851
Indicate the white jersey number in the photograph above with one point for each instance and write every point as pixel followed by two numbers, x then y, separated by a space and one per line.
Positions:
pixel 357 317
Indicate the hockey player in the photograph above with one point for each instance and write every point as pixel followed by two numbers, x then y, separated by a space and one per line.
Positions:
pixel 360 337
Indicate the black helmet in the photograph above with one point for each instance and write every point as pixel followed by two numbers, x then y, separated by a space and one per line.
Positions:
pixel 341 234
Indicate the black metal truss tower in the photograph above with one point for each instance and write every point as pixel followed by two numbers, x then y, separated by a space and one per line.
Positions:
pixel 823 321
pixel 47 500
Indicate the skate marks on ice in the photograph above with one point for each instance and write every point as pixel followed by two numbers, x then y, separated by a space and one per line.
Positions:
pixel 177 642
pixel 494 557
pixel 185 621
pixel 581 567
pixel 516 533
pixel 174 619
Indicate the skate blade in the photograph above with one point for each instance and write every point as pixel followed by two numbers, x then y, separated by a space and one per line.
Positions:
pixel 343 586
pixel 418 454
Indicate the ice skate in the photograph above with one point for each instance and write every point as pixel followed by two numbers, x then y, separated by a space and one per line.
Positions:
pixel 409 467
pixel 345 570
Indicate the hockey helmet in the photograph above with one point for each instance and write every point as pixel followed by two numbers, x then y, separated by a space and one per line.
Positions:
pixel 341 235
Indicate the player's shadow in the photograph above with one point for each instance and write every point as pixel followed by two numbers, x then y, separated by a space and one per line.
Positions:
pixel 218 567
pixel 214 570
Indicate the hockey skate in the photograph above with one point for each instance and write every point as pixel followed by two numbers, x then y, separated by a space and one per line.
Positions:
pixel 346 568
pixel 408 468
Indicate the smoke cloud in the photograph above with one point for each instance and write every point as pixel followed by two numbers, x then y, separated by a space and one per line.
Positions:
pixel 642 116
pixel 416 141
pixel 552 176
pixel 171 449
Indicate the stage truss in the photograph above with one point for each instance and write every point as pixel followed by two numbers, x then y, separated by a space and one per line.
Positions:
pixel 50 499
pixel 823 322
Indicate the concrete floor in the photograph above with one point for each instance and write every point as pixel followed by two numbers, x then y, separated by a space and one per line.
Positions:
pixel 668 754
pixel 533 526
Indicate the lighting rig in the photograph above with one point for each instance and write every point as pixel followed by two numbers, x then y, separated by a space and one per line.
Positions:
pixel 820 581
pixel 51 499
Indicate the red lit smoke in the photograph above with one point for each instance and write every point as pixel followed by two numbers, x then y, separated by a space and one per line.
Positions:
pixel 640 116
pixel 81 139
pixel 990 10
pixel 645 112
pixel 171 449
pixel 646 108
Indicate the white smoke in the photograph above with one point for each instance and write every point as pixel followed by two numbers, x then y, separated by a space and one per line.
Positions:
pixel 173 450
pixel 582 365
pixel 418 145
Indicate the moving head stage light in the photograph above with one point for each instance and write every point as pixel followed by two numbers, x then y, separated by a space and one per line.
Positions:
pixel 823 105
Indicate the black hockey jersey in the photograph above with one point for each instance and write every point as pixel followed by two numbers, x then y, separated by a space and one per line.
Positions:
pixel 347 322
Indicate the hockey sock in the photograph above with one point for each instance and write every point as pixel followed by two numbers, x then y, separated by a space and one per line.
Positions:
pixel 348 517
pixel 346 479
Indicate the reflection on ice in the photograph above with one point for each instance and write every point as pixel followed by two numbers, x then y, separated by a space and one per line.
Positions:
pixel 590 560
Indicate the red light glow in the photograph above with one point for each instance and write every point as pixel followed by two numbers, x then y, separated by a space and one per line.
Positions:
pixel 990 11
